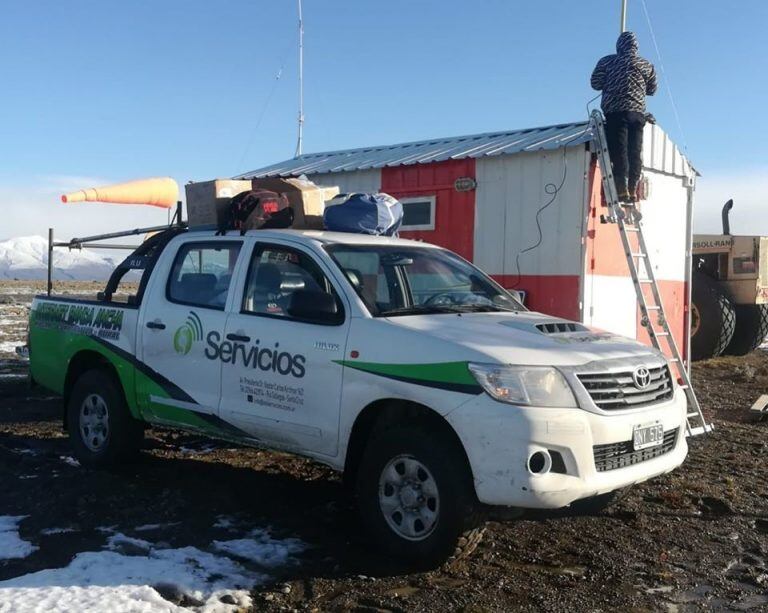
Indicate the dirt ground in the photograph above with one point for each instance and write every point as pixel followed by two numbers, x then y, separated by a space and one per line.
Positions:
pixel 695 539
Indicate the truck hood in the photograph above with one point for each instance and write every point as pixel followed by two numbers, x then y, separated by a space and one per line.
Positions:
pixel 525 338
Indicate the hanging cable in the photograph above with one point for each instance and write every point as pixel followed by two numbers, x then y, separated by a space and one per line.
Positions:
pixel 265 106
pixel 551 189
pixel 664 76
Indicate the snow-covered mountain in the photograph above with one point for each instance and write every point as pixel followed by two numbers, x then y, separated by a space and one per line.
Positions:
pixel 26 257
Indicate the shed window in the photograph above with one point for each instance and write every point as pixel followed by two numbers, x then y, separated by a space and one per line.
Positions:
pixel 418 213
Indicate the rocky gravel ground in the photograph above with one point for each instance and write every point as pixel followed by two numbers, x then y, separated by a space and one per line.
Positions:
pixel 692 540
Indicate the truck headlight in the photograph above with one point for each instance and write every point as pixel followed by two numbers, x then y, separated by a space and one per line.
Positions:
pixel 540 386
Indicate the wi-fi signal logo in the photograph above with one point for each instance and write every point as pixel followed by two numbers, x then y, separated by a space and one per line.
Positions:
pixel 188 333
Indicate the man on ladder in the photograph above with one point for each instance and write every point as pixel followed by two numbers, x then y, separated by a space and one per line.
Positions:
pixel 625 79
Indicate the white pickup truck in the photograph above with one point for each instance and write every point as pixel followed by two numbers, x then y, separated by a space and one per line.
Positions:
pixel 397 362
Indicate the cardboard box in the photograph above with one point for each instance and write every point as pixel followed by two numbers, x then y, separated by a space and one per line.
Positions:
pixel 307 199
pixel 206 200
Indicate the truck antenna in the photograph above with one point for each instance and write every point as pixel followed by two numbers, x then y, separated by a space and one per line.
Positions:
pixel 299 142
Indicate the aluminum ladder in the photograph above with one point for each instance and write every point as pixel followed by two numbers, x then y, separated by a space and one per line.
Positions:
pixel 629 222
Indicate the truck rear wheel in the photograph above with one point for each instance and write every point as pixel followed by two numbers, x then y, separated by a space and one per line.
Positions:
pixel 101 429
pixel 713 318
pixel 416 497
pixel 751 329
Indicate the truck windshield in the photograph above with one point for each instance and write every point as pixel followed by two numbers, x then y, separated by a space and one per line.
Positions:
pixel 395 280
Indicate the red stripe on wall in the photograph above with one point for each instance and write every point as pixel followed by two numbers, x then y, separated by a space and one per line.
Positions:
pixel 454 211
pixel 556 295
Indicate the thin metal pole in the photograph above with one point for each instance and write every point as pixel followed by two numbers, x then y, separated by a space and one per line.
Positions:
pixel 300 141
pixel 50 261
pixel 623 16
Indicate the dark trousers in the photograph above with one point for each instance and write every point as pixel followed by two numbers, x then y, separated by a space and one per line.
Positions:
pixel 624 131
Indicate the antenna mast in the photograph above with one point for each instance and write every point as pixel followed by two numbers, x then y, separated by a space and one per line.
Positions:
pixel 299 142
pixel 623 16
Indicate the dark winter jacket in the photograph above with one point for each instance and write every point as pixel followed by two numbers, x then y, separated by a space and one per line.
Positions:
pixel 624 78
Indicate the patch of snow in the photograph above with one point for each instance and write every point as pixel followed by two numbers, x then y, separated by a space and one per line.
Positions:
pixel 106 529
pixel 50 531
pixel 11 544
pixel 261 548
pixel 115 542
pixel 70 460
pixel 110 581
pixel 199 450
pixel 150 527
pixel 222 521
pixel 9 346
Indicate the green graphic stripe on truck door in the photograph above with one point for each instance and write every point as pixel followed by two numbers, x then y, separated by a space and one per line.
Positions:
pixel 451 376
pixel 170 389
pixel 152 383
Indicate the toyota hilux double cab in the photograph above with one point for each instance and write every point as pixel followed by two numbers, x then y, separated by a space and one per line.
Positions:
pixel 434 391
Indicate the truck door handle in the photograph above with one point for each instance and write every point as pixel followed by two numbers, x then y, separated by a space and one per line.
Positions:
pixel 156 325
pixel 239 337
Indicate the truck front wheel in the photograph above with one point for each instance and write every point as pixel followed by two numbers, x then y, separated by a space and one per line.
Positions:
pixel 416 497
pixel 751 329
pixel 712 318
pixel 101 429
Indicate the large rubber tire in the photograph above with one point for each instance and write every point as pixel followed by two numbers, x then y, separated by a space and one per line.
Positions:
pixel 97 396
pixel 458 528
pixel 713 318
pixel 751 329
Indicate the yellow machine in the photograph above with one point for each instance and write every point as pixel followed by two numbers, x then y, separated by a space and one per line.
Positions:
pixel 729 306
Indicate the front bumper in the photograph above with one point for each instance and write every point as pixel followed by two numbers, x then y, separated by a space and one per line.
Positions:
pixel 499 438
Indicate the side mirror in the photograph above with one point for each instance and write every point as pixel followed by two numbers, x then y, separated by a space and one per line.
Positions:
pixel 314 306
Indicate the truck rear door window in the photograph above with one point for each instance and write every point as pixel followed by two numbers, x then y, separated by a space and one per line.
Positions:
pixel 202 274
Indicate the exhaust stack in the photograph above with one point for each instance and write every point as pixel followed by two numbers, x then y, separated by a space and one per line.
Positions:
pixel 726 222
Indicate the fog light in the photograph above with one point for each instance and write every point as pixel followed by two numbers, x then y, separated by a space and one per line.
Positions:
pixel 539 463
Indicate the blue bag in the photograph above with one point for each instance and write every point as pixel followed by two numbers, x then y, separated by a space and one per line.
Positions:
pixel 378 214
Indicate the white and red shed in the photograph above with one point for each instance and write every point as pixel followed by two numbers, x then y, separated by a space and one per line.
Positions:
pixel 481 196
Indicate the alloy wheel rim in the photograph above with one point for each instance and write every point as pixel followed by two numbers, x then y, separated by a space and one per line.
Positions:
pixel 94 422
pixel 409 498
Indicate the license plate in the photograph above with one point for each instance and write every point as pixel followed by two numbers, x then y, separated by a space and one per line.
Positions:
pixel 647 435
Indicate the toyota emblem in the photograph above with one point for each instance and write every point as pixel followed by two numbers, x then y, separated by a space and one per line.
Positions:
pixel 641 377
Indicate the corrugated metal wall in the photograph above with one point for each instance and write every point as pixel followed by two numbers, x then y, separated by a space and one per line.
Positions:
pixel 510 192
pixel 366 181
pixel 454 211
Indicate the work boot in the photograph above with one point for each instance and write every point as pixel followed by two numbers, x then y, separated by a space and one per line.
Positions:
pixel 624 196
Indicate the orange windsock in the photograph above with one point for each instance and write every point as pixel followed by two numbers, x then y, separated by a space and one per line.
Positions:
pixel 159 191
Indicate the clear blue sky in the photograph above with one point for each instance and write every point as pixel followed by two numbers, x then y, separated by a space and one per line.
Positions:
pixel 120 90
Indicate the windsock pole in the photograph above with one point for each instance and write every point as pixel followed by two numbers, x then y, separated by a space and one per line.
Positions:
pixel 50 261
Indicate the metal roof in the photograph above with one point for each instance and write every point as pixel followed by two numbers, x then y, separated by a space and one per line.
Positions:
pixel 433 150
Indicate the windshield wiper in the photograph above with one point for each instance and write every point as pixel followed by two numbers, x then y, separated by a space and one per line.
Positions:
pixel 419 309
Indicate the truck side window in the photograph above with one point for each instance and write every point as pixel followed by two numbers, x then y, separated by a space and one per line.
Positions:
pixel 275 277
pixel 202 273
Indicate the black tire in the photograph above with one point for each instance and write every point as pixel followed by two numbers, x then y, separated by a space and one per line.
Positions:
pixel 457 530
pixel 713 318
pixel 594 505
pixel 123 434
pixel 751 329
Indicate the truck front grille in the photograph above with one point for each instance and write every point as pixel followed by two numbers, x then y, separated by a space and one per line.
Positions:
pixel 620 455
pixel 612 391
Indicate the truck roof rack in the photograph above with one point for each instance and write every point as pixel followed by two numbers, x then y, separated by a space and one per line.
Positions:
pixel 176 223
